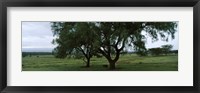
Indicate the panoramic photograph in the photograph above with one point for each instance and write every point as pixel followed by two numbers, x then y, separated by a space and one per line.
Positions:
pixel 99 46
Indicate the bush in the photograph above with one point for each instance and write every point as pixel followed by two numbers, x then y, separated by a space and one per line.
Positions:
pixel 156 51
pixel 166 49
pixel 142 52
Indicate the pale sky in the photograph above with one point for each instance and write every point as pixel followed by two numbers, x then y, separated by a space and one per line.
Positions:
pixel 37 37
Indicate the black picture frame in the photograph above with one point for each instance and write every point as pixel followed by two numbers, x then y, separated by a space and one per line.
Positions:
pixel 100 3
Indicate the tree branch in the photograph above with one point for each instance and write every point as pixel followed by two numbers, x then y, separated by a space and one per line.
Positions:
pixel 80 49
pixel 84 60
pixel 123 45
pixel 104 54
pixel 118 40
pixel 116 56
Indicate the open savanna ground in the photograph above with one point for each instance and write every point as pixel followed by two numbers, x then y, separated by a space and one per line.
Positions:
pixel 128 62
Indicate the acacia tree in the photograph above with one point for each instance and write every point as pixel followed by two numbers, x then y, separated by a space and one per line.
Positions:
pixel 71 37
pixel 111 38
pixel 114 36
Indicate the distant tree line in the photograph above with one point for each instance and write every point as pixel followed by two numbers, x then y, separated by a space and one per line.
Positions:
pixel 30 54
pixel 163 50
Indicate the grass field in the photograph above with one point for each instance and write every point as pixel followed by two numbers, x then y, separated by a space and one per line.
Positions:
pixel 129 62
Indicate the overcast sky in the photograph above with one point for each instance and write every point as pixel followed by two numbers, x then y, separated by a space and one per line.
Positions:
pixel 37 37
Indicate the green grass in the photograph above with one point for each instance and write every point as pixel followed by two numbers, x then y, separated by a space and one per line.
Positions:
pixel 129 62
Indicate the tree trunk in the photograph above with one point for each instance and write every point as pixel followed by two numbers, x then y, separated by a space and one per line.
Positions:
pixel 113 61
pixel 109 58
pixel 112 65
pixel 88 62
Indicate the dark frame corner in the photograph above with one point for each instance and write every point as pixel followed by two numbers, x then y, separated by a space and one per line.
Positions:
pixel 101 3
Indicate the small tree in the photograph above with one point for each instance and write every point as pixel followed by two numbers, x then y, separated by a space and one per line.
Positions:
pixel 166 49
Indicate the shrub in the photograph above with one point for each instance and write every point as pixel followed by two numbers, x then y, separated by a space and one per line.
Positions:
pixel 156 51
